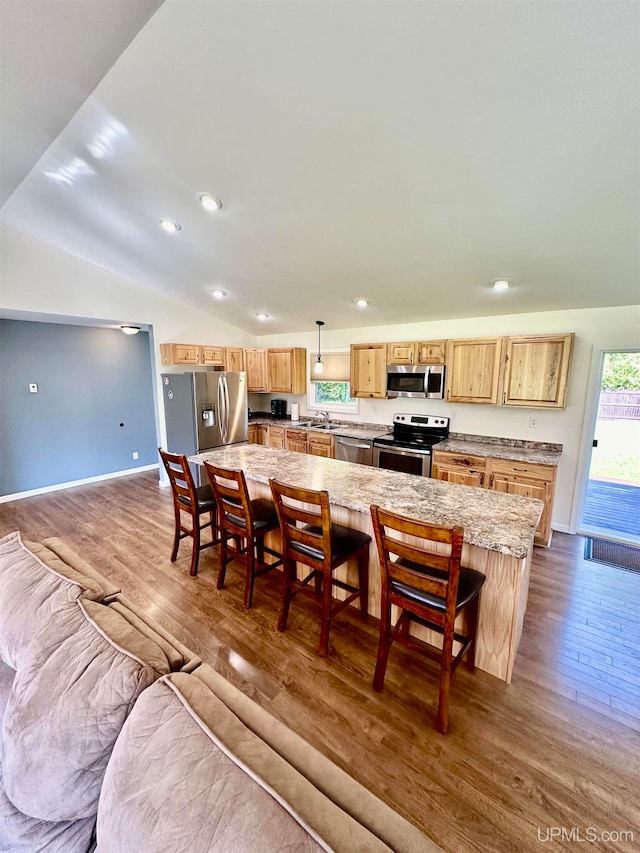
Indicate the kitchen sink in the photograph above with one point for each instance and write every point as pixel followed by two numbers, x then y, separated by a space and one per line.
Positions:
pixel 327 427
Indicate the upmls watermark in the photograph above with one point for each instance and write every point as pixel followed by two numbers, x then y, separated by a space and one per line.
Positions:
pixel 588 834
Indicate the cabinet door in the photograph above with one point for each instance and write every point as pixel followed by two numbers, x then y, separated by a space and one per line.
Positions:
pixel 262 434
pixel 431 352
pixel 252 436
pixel 233 358
pixel 255 361
pixel 186 354
pixel 369 370
pixel 275 438
pixel 459 468
pixel 473 367
pixel 212 355
pixel 321 445
pixel 280 371
pixel 537 370
pixel 528 481
pixel 401 353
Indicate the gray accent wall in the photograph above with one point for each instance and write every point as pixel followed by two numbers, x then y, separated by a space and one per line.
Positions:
pixel 94 406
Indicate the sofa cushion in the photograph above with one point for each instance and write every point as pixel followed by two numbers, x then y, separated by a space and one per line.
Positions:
pixel 81 566
pixel 31 592
pixel 7 676
pixel 68 704
pixel 227 790
pixel 20 833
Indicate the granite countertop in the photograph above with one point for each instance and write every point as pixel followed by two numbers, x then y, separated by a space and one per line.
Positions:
pixel 491 520
pixel 540 453
pixel 349 430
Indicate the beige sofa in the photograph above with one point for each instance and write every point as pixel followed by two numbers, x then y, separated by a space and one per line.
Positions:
pixel 116 738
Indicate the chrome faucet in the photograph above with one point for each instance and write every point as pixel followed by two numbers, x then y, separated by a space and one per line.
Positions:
pixel 325 415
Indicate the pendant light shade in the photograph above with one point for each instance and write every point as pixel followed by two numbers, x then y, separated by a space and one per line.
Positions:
pixel 318 367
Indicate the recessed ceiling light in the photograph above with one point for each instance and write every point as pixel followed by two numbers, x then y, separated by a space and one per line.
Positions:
pixel 361 302
pixel 170 225
pixel 501 284
pixel 219 294
pixel 209 202
pixel 262 316
pixel 130 330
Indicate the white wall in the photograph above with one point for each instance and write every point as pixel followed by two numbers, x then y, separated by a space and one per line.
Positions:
pixel 597 327
pixel 39 279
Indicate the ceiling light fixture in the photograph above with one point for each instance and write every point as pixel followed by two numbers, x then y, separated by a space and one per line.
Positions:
pixel 130 330
pixel 170 225
pixel 361 302
pixel 262 316
pixel 209 202
pixel 318 367
pixel 501 284
pixel 219 294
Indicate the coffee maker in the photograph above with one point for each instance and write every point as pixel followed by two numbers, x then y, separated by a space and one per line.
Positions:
pixel 279 409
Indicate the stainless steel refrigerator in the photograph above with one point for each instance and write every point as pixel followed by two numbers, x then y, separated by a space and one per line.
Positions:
pixel 204 409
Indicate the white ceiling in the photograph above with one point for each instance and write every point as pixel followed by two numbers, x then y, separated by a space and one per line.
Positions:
pixel 409 152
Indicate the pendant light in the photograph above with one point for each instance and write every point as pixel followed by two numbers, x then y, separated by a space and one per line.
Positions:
pixel 318 367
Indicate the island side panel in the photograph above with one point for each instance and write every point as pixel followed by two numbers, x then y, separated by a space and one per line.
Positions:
pixel 503 598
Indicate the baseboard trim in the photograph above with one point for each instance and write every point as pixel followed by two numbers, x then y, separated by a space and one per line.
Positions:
pixel 59 486
pixel 561 528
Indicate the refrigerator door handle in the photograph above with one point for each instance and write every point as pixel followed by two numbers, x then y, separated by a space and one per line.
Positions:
pixel 223 403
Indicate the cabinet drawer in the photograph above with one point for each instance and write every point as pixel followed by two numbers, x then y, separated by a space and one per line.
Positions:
pixel 276 432
pixel 325 440
pixel 522 470
pixel 296 435
pixel 459 460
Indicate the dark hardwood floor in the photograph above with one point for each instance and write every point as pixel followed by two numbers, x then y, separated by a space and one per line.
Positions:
pixel 554 755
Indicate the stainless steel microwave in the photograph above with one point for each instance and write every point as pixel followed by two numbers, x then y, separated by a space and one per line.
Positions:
pixel 416 380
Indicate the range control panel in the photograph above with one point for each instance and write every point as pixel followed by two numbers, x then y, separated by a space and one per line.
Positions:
pixel 424 421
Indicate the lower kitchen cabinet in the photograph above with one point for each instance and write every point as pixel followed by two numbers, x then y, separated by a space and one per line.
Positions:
pixel 321 445
pixel 275 437
pixel 528 480
pixel 258 433
pixel 459 468
pixel 295 440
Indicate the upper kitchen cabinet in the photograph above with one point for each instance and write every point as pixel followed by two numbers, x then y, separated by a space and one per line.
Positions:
pixel 431 352
pixel 179 354
pixel 255 363
pixel 401 353
pixel 537 371
pixel 212 355
pixel 474 370
pixel 369 370
pixel 420 352
pixel 234 358
pixel 287 370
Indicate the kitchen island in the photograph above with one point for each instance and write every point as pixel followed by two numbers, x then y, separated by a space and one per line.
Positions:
pixel 498 530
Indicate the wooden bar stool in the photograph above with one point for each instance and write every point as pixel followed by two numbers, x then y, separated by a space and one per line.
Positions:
pixel 245 521
pixel 194 502
pixel 429 589
pixel 323 547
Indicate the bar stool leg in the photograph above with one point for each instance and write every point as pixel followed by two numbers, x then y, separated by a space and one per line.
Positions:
pixel 384 645
pixel 250 569
pixel 288 567
pixel 472 616
pixel 325 624
pixel 363 580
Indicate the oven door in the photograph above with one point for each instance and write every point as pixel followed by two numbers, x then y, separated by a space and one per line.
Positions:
pixel 402 460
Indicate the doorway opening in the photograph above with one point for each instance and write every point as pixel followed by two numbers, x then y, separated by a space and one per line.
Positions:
pixel 612 503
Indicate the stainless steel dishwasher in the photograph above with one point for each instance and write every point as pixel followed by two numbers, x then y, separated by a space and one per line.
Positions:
pixel 354 450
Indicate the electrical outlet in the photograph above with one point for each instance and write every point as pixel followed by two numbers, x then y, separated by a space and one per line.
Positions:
pixel 533 423
pixel 33 388
pixel 135 454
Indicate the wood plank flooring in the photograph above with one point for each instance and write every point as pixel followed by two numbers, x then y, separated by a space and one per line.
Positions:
pixel 557 751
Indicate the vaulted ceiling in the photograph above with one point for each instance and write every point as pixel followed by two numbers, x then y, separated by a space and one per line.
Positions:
pixel 407 152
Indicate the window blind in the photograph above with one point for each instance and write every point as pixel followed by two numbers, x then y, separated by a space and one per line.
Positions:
pixel 337 367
